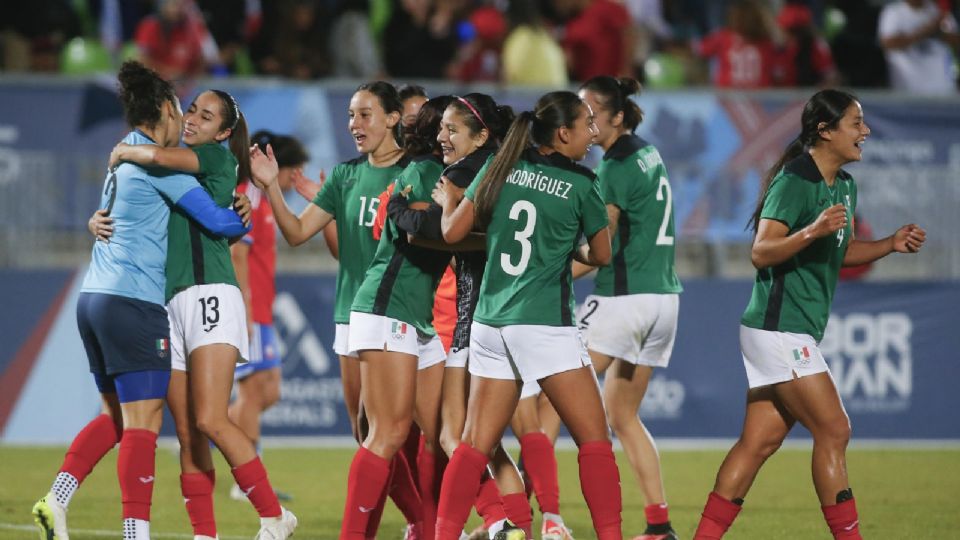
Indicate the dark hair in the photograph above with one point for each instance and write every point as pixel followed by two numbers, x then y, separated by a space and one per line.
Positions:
pixel 553 111
pixel 142 93
pixel 389 100
pixel 481 111
pixel 288 150
pixel 825 107
pixel 421 137
pixel 408 91
pixel 239 140
pixel 616 97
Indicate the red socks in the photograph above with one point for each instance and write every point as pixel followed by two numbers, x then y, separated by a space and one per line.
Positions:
pixel 252 479
pixel 657 514
pixel 540 464
pixel 600 483
pixel 197 490
pixel 461 482
pixel 517 508
pixel 403 489
pixel 89 446
pixel 718 515
pixel 369 475
pixel 135 469
pixel 488 502
pixel 842 519
pixel 428 473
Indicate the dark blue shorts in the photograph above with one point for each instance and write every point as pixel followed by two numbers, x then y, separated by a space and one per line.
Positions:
pixel 123 334
pixel 264 352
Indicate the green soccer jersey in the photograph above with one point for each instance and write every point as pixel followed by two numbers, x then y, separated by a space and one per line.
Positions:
pixel 795 296
pixel 402 279
pixel 351 194
pixel 632 178
pixel 194 256
pixel 545 204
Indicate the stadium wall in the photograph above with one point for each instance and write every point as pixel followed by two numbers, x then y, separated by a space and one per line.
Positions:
pixel 892 348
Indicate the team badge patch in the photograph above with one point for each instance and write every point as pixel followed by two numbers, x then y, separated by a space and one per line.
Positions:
pixel 398 330
pixel 801 356
pixel 163 347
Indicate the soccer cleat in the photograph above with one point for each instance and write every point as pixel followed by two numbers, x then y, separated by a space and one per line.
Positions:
pixel 237 494
pixel 647 535
pixel 278 528
pixel 552 530
pixel 413 531
pixel 510 532
pixel 51 518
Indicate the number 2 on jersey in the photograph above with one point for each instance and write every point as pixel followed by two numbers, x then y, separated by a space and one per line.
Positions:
pixel 522 236
pixel 663 192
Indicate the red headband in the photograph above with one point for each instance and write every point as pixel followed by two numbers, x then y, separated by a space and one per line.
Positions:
pixel 474 111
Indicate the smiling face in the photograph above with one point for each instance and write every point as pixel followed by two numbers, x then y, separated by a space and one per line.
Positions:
pixel 580 135
pixel 846 140
pixel 456 138
pixel 203 120
pixel 609 126
pixel 369 124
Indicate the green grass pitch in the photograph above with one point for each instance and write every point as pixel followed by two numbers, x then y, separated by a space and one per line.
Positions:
pixel 901 494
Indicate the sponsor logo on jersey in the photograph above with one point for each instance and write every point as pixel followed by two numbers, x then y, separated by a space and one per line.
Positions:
pixel 871 358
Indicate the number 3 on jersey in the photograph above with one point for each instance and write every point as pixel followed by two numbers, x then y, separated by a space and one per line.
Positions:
pixel 522 236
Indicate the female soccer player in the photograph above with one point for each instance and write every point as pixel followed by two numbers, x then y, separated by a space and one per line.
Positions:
pixel 207 316
pixel 472 128
pixel 533 203
pixel 803 235
pixel 401 358
pixel 254 261
pixel 121 315
pixel 630 321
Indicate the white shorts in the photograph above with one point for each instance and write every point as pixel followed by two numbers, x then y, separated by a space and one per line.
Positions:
pixel 379 333
pixel 341 340
pixel 637 328
pixel 204 315
pixel 525 352
pixel 772 357
pixel 458 357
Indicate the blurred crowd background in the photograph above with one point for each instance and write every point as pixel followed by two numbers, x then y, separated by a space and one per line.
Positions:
pixel 903 44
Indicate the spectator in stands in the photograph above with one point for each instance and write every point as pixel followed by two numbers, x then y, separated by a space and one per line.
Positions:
pixel 34 33
pixel 598 38
pixel 233 24
pixel 807 60
pixel 420 41
pixel 353 48
pixel 531 55
pixel 856 52
pixel 478 58
pixel 293 40
pixel 175 41
pixel 917 38
pixel 745 50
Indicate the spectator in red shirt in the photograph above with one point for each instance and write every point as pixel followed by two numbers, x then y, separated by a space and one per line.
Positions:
pixel 598 39
pixel 175 41
pixel 746 50
pixel 807 60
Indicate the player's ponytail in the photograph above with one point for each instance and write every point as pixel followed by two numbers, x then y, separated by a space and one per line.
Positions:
pixel 822 112
pixel 239 135
pixel 488 191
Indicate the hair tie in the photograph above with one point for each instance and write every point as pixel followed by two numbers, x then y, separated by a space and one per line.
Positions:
pixel 474 111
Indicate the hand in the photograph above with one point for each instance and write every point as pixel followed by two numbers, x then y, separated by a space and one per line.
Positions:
pixel 829 221
pixel 438 195
pixel 307 188
pixel 909 239
pixel 116 154
pixel 243 208
pixel 263 167
pixel 100 226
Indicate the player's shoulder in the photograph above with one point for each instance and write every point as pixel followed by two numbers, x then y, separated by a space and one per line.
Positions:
pixel 624 147
pixel 558 161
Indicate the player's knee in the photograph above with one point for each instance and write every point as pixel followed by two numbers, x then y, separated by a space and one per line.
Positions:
pixel 835 433
pixel 210 424
pixel 270 396
pixel 620 420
